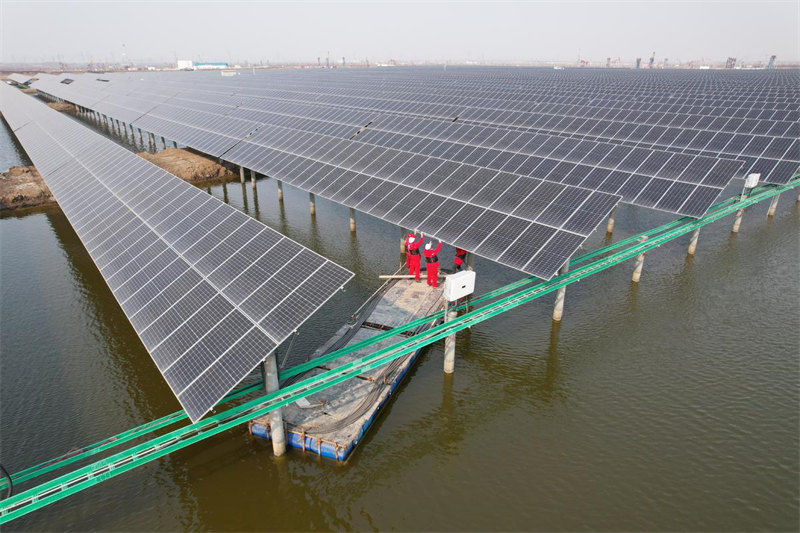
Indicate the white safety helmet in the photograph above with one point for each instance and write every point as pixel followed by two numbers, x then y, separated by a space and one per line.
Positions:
pixel 429 245
pixel 411 239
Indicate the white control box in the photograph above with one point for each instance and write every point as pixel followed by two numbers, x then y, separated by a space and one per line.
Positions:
pixel 752 180
pixel 459 285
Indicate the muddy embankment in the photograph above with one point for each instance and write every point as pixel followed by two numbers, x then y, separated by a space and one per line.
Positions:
pixel 23 188
pixel 64 107
pixel 189 166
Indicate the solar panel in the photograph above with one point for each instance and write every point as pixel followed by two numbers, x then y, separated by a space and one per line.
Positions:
pixel 338 169
pixel 210 291
pixel 660 140
pixel 690 112
pixel 556 158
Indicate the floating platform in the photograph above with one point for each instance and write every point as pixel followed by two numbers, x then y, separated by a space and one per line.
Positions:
pixel 332 422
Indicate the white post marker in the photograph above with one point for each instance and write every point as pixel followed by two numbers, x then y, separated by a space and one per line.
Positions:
pixel 456 286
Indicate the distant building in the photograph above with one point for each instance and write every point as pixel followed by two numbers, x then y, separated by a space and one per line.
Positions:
pixel 187 64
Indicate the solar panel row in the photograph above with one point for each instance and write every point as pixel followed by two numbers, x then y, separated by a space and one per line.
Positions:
pixel 209 290
pixel 331 168
pixel 750 125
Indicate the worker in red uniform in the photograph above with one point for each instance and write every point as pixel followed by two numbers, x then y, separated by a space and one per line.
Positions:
pixel 432 263
pixel 408 255
pixel 414 243
pixel 460 258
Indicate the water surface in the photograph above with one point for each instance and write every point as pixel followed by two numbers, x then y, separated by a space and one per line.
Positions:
pixel 671 405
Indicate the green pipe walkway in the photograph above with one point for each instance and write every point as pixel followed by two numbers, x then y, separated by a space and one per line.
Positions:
pixel 521 292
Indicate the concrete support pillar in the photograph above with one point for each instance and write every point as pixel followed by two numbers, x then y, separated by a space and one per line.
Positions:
pixel 693 242
pixel 141 138
pixel 610 227
pixel 773 205
pixel 312 204
pixel 470 257
pixel 174 144
pixel 637 269
pixel 352 219
pixel 269 371
pixel 280 191
pixel 558 309
pixel 450 344
pixel 163 143
pixel 737 221
pixel 241 174
pixel 253 178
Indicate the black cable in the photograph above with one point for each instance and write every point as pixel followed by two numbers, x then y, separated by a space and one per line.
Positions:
pixel 10 483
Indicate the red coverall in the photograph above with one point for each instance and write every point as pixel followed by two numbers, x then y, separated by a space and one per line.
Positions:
pixel 413 257
pixel 459 258
pixel 432 265
pixel 408 255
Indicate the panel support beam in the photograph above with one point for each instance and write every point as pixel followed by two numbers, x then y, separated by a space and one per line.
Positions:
pixel 269 371
pixel 450 341
pixel 610 227
pixel 693 242
pixel 558 309
pixel 637 269
pixel 773 206
pixel 737 222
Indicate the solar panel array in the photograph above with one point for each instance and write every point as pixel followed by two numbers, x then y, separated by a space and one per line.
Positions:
pixel 751 116
pixel 536 233
pixel 21 79
pixel 209 290
pixel 480 185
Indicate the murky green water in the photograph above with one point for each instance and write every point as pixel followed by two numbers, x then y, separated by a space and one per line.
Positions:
pixel 668 406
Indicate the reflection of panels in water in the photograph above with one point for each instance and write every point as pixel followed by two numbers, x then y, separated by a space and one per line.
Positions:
pixel 333 421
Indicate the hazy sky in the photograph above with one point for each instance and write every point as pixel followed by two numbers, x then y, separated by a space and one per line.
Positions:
pixel 492 31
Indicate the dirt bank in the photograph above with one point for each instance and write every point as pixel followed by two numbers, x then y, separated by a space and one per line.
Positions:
pixel 188 166
pixel 64 107
pixel 23 187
